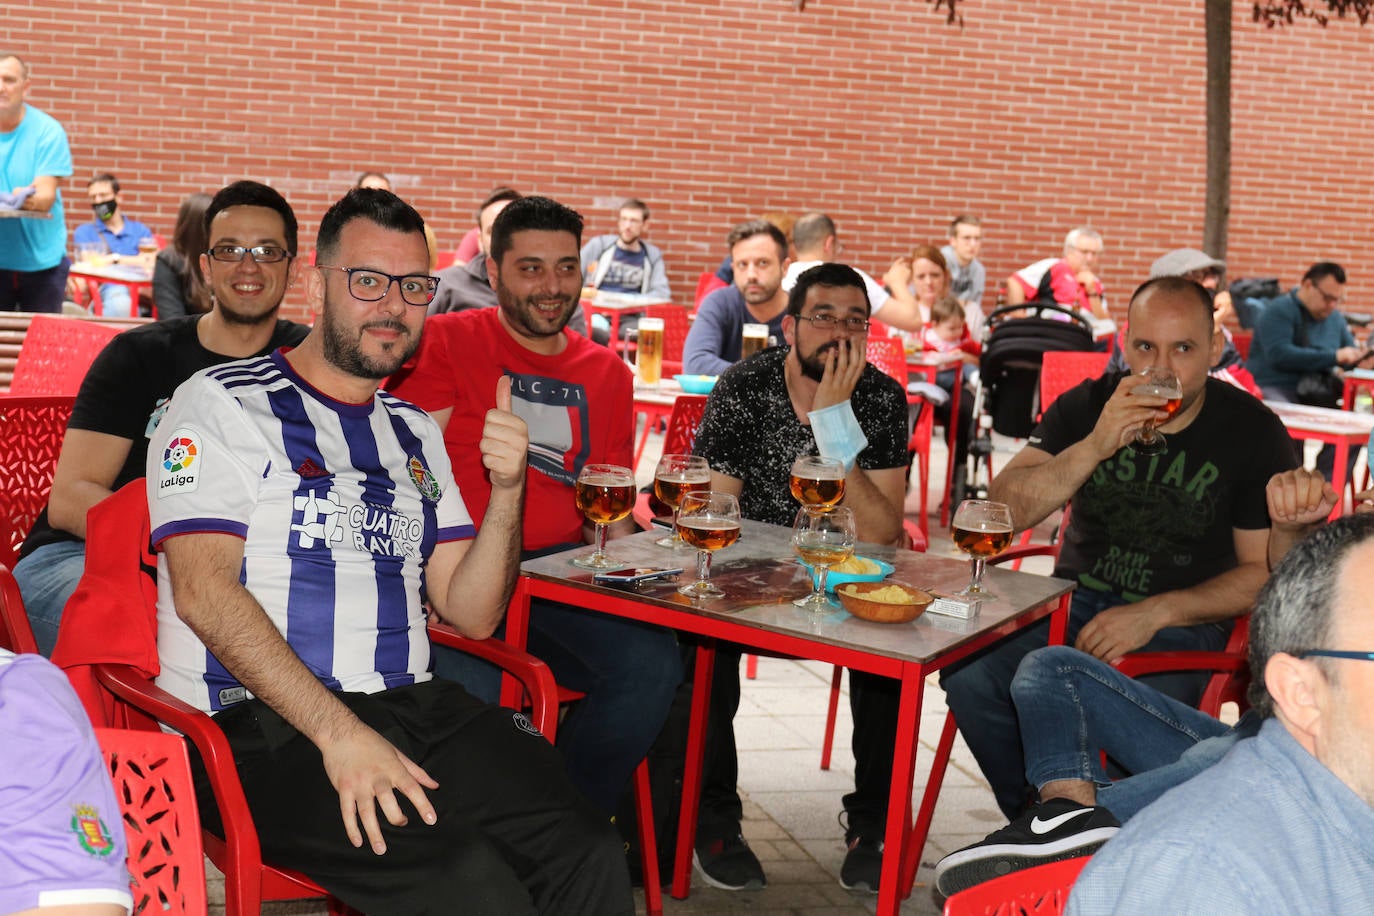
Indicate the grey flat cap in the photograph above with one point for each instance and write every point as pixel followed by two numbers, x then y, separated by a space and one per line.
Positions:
pixel 1182 261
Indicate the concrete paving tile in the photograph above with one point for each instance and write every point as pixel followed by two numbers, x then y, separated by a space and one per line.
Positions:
pixel 790 770
pixel 769 733
pixel 804 815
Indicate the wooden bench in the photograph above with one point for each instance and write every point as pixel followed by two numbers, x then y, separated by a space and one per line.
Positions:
pixel 14 326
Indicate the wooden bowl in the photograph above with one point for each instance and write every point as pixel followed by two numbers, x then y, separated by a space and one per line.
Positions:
pixel 851 595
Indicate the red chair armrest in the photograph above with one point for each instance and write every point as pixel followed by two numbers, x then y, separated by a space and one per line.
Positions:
pixel 532 673
pixel 1154 662
pixel 1020 553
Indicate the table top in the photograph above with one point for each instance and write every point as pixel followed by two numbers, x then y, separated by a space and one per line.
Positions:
pixel 1305 418
pixel 6 213
pixel 128 273
pixel 761 576
pixel 931 358
pixel 622 302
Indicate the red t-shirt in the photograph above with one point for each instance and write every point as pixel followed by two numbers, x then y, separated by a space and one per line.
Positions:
pixel 579 405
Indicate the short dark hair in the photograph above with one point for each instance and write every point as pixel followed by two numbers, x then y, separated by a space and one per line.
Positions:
pixel 495 197
pixel 541 213
pixel 372 204
pixel 106 177
pixel 1323 269
pixel 753 227
pixel 963 219
pixel 634 203
pixel 1171 285
pixel 1294 610
pixel 811 229
pixel 253 194
pixel 828 274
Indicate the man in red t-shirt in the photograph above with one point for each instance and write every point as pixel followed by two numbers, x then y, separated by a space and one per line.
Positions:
pixel 1070 280
pixel 577 399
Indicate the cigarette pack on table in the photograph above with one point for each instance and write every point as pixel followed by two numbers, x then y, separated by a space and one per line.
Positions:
pixel 952 606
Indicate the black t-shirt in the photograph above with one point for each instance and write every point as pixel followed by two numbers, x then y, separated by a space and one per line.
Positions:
pixel 751 432
pixel 127 387
pixel 1143 525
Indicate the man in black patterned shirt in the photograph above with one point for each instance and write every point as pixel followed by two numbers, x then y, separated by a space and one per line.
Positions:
pixel 757 422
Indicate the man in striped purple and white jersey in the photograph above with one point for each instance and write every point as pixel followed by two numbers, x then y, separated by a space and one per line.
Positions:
pixel 299 513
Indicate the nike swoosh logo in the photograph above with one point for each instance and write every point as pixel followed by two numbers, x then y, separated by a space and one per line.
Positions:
pixel 1038 826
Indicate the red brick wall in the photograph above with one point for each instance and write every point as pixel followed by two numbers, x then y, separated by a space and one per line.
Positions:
pixel 1039 116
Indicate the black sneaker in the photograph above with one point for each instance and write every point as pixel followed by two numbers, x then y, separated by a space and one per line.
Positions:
pixel 1049 832
pixel 729 864
pixel 863 863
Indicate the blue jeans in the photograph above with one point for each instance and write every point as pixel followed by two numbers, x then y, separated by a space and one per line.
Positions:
pixel 978 690
pixel 115 301
pixel 1071 706
pixel 35 290
pixel 47 577
pixel 628 670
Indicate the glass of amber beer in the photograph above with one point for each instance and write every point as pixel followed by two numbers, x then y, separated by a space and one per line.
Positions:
pixel 709 522
pixel 755 339
pixel 817 482
pixel 981 529
pixel 1160 383
pixel 674 478
pixel 823 539
pixel 605 494
pixel 649 351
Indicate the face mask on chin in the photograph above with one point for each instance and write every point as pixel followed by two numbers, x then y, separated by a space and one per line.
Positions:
pixel 105 210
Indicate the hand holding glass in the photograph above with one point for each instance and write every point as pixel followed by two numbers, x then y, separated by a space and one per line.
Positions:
pixel 1160 383
pixel 605 494
pixel 817 482
pixel 674 478
pixel 708 521
pixel 981 529
pixel 823 538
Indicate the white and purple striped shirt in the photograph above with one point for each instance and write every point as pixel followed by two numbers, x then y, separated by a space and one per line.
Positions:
pixel 339 506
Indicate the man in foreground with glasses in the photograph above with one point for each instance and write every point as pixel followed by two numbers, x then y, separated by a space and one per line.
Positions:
pixel 763 414
pixel 294 546
pixel 249 267
pixel 577 399
pixel 1285 823
pixel 1302 344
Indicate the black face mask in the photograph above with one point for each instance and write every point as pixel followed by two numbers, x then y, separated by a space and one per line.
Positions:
pixel 105 210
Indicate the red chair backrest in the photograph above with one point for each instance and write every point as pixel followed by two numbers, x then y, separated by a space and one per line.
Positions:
pixel 1242 341
pixel 1039 891
pixel 56 353
pixel 152 781
pixel 15 632
pixel 683 423
pixel 707 283
pixel 889 355
pixel 31 431
pixel 1061 370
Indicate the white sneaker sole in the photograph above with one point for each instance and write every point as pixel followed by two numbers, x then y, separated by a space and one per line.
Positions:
pixel 716 883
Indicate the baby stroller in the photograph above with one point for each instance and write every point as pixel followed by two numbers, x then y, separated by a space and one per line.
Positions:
pixel 1007 396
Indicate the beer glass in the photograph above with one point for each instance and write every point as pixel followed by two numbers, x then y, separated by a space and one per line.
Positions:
pixel 823 538
pixel 755 339
pixel 674 478
pixel 817 482
pixel 981 529
pixel 605 494
pixel 649 354
pixel 708 521
pixel 1161 383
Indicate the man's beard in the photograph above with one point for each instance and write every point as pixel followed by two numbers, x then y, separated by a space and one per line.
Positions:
pixel 246 319
pixel 347 355
pixel 522 314
pixel 813 366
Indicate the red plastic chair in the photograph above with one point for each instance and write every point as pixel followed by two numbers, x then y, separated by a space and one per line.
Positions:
pixel 683 423
pixel 56 353
pixel 1040 891
pixel 707 283
pixel 31 431
pixel 1062 370
pixel 152 780
pixel 15 632
pixel 1242 340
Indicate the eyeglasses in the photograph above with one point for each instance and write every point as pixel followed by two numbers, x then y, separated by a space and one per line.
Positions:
pixel 1329 299
pixel 371 285
pixel 1337 653
pixel 262 254
pixel 829 322
pixel 1087 251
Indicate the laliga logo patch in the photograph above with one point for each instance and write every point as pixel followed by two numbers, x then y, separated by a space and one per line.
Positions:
pixel 91 831
pixel 523 723
pixel 181 465
pixel 424 481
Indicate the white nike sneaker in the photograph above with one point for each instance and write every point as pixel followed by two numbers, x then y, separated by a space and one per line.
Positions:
pixel 1050 831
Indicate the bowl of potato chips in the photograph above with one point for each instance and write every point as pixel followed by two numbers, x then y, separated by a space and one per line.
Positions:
pixel 854 569
pixel 883 602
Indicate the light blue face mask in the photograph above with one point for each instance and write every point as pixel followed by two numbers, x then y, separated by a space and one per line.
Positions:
pixel 838 434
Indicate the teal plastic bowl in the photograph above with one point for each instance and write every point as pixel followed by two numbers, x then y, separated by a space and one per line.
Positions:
pixel 836 578
pixel 696 384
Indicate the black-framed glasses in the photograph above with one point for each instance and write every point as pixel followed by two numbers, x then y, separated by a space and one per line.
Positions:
pixel 1337 653
pixel 367 285
pixel 262 254
pixel 829 323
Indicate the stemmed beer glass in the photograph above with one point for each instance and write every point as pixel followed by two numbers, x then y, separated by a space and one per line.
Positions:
pixel 1161 383
pixel 708 521
pixel 605 494
pixel 823 538
pixel 981 529
pixel 817 482
pixel 674 478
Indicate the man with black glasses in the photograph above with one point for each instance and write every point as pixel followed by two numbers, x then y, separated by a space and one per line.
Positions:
pixel 817 393
pixel 249 267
